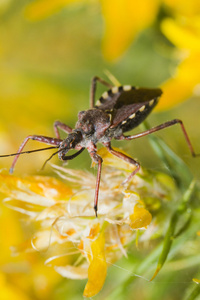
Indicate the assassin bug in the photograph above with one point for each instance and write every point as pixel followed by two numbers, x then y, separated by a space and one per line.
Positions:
pixel 118 110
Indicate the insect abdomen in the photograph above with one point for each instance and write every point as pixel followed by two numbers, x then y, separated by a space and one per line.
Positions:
pixel 138 117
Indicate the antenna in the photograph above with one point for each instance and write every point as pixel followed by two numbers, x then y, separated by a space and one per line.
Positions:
pixel 29 151
pixel 69 157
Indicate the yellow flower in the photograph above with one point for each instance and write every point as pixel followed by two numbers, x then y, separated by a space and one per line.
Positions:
pixel 184 32
pixel 183 7
pixel 79 244
pixel 23 273
pixel 97 265
pixel 124 19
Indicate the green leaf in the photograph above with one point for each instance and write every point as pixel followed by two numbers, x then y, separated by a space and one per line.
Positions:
pixel 181 212
pixel 194 293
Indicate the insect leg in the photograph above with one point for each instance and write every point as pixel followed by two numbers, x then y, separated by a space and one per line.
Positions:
pixel 63 156
pixel 97 159
pixel 60 125
pixel 69 157
pixel 160 127
pixel 127 159
pixel 39 138
pixel 93 88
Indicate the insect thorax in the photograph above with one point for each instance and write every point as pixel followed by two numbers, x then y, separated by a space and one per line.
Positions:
pixel 93 123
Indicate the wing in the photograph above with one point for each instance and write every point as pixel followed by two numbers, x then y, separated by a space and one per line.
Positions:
pixel 128 106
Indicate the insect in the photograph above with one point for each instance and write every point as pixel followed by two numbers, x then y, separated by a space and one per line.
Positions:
pixel 118 110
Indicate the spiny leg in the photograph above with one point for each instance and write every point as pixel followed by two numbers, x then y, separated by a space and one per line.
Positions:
pixel 127 159
pixel 160 127
pixel 62 126
pixel 97 159
pixel 39 138
pixel 97 185
pixel 93 88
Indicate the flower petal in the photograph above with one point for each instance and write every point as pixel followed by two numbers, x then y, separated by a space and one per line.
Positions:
pixel 72 272
pixel 124 19
pixel 184 35
pixel 97 269
pixel 38 190
pixel 181 86
pixel 140 218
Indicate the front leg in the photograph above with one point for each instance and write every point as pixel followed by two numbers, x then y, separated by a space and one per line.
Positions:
pixel 98 160
pixel 127 159
pixel 40 138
